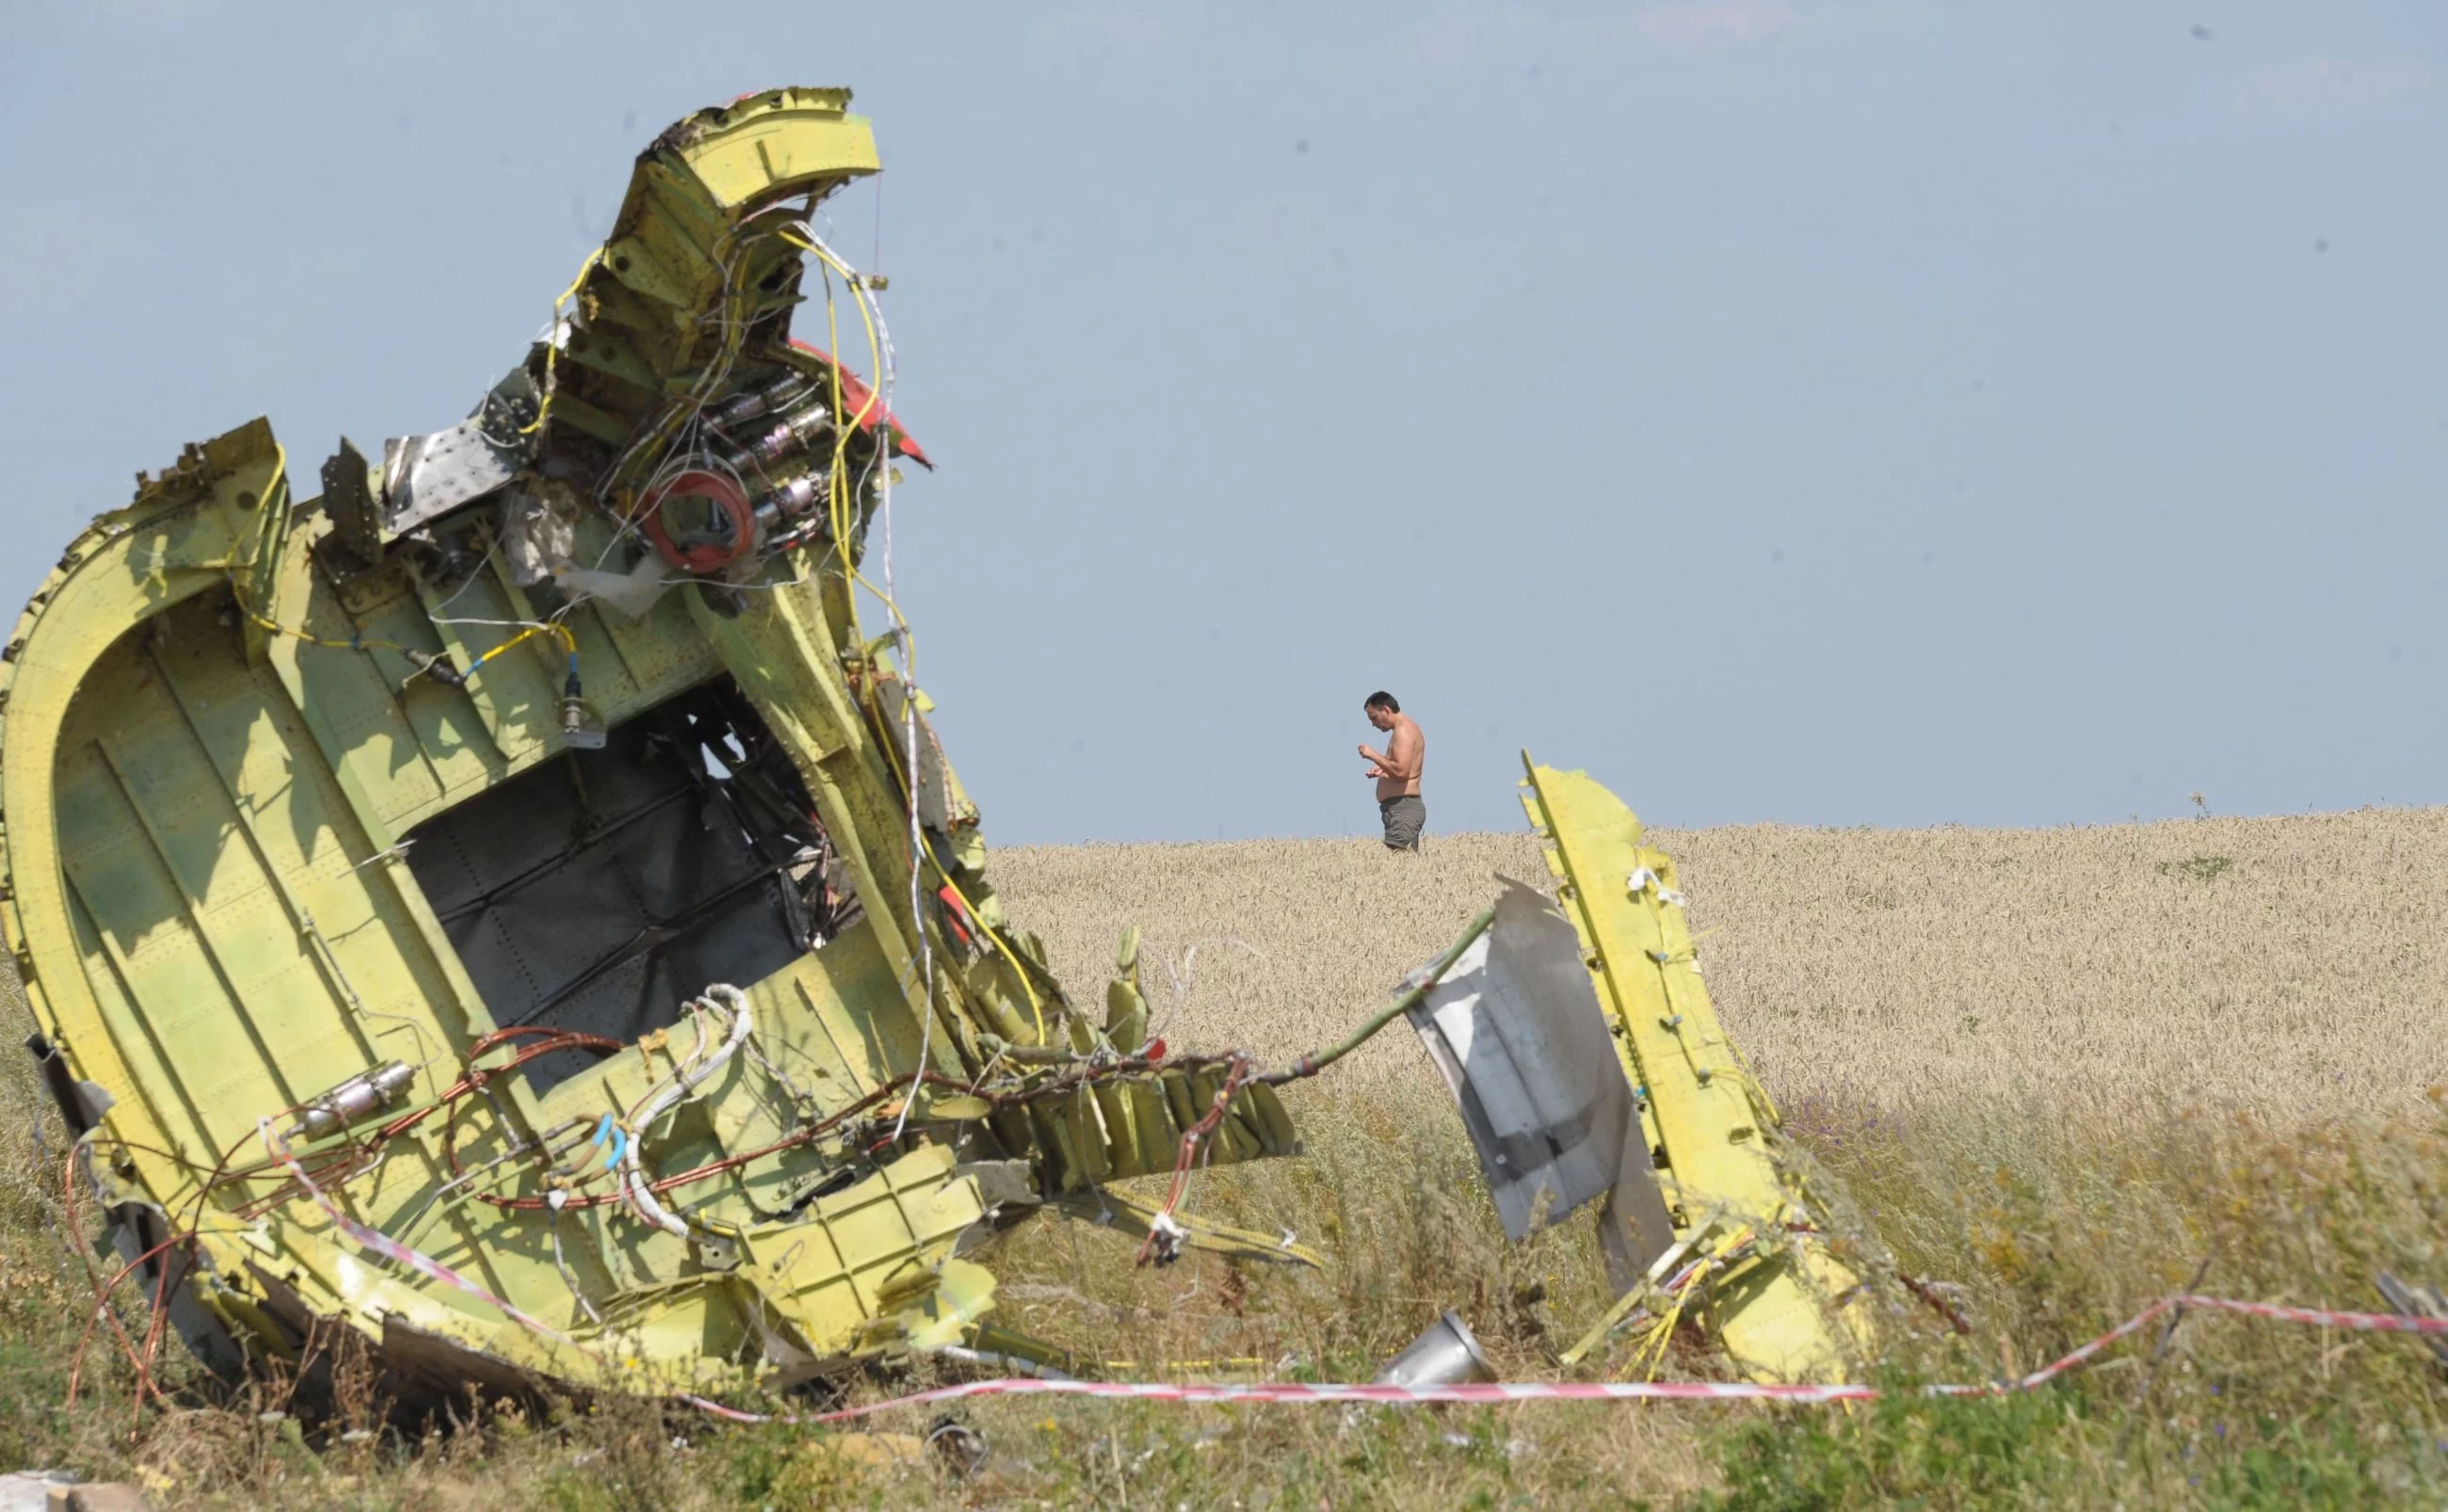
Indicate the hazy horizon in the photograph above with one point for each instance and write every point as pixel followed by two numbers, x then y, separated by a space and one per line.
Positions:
pixel 1661 828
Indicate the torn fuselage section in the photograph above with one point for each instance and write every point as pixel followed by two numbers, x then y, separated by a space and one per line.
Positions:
pixel 1590 1066
pixel 513 903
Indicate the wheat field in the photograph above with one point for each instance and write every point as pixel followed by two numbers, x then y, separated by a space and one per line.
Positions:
pixel 2297 966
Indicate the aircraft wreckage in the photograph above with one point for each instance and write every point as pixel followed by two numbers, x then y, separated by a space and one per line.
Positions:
pixel 513 907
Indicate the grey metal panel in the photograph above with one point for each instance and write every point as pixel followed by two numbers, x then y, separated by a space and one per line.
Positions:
pixel 431 476
pixel 425 477
pixel 1515 1030
pixel 602 890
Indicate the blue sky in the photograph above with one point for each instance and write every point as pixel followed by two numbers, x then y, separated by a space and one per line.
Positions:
pixel 1886 413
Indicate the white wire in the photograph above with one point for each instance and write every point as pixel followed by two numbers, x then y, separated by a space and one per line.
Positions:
pixel 715 373
pixel 881 459
pixel 1185 980
pixel 679 1066
pixel 730 1000
pixel 460 591
pixel 503 625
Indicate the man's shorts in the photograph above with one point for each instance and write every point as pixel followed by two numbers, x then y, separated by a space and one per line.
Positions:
pixel 1405 818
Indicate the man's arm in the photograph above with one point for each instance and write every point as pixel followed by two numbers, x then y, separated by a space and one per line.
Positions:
pixel 1403 751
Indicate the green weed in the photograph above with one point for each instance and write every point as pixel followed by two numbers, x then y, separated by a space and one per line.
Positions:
pixel 2198 868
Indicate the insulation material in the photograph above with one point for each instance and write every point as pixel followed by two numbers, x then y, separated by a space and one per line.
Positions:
pixel 1516 1032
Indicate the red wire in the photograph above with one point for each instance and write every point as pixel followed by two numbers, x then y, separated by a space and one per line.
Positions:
pixel 340 1163
pixel 1191 1138
pixel 101 1293
pixel 552 1041
pixel 102 1309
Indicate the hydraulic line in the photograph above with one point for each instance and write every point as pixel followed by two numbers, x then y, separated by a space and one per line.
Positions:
pixel 425 661
pixel 1413 990
pixel 634 1187
pixel 552 343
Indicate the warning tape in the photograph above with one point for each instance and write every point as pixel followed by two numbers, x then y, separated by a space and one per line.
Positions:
pixel 2270 1312
pixel 1498 1391
pixel 1303 1391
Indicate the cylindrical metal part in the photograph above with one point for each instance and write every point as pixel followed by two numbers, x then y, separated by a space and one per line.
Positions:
pixel 359 1098
pixel 788 436
pixel 1444 1356
pixel 767 396
pixel 795 497
pixel 764 446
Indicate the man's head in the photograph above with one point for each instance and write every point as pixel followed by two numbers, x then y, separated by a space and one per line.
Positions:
pixel 1381 709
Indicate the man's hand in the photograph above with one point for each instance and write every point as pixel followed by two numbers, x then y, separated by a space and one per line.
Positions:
pixel 1374 771
pixel 1367 754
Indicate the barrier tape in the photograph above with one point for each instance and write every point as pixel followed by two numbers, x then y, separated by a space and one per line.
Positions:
pixel 1301 1391
pixel 1499 1391
pixel 2269 1311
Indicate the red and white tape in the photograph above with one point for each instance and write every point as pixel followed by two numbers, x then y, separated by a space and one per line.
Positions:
pixel 1302 1391
pixel 2270 1312
pixel 1498 1391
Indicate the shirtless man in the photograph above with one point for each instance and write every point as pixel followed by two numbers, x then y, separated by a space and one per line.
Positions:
pixel 1397 771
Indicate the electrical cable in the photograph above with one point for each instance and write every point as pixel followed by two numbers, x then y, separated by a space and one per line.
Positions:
pixel 1164 1235
pixel 424 661
pixel 993 934
pixel 839 502
pixel 552 348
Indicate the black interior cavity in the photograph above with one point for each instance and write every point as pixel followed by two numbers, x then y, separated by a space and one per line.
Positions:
pixel 602 889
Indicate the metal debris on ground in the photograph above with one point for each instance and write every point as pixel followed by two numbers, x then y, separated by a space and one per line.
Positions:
pixel 1444 1354
pixel 32 1490
pixel 963 1448
pixel 2414 1300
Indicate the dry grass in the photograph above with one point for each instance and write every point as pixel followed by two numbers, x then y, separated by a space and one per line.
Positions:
pixel 2063 1069
pixel 2295 965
